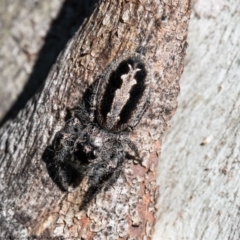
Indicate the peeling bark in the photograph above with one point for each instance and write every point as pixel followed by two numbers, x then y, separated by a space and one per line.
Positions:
pixel 31 204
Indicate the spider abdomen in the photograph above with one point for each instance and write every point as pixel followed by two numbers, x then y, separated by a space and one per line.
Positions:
pixel 122 95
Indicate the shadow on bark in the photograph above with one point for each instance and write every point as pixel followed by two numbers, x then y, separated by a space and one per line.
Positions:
pixel 68 21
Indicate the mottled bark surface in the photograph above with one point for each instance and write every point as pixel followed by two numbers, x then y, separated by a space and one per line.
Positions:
pixel 199 168
pixel 31 204
pixel 32 34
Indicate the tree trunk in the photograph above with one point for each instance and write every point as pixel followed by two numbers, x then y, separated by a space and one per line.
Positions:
pixel 199 167
pixel 32 206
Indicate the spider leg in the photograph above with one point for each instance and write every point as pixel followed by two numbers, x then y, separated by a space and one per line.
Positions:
pixel 96 183
pixel 101 177
pixel 81 114
pixel 134 148
pixel 93 100
pixel 62 170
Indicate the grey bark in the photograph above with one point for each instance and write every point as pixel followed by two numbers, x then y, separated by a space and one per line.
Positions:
pixel 31 204
pixel 199 168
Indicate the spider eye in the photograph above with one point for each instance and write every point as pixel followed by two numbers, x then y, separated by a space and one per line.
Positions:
pixel 95 153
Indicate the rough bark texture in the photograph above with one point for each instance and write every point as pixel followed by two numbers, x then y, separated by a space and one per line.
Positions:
pixel 199 167
pixel 27 50
pixel 31 204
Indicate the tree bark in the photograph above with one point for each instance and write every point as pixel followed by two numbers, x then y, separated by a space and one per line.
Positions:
pixel 32 206
pixel 33 33
pixel 199 166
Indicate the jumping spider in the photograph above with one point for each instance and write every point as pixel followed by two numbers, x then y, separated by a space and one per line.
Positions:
pixel 94 143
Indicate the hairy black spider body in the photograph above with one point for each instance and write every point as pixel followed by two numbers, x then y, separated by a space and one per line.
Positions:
pixel 94 143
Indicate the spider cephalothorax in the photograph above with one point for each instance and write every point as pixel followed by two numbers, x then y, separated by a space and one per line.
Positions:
pixel 94 143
